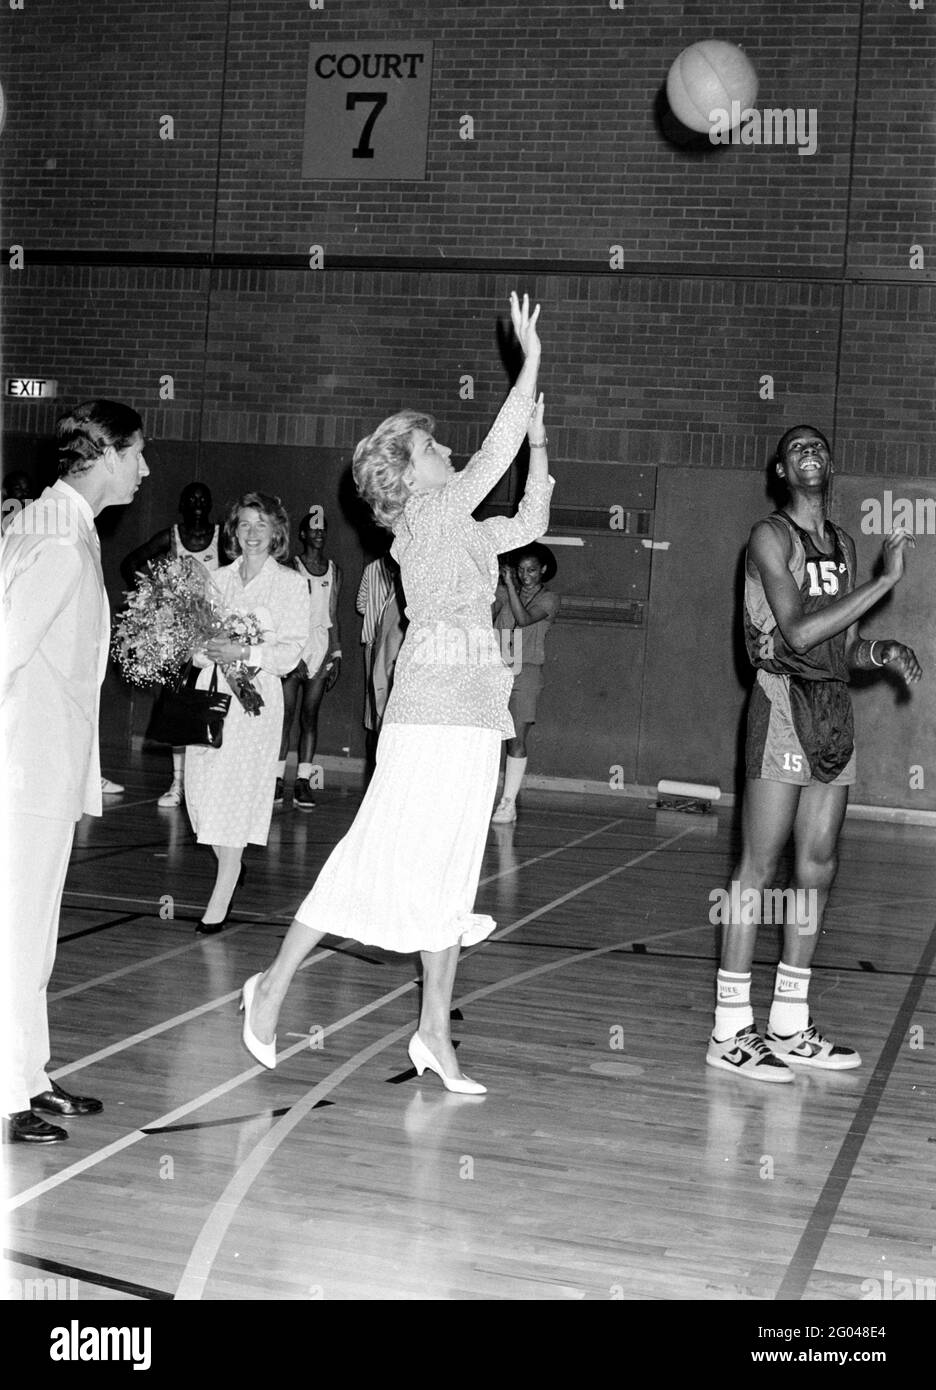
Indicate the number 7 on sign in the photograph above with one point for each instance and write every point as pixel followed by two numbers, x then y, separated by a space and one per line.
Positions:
pixel 363 148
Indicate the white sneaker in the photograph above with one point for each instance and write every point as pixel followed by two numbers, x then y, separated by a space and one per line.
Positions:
pixel 109 788
pixel 173 797
pixel 748 1055
pixel 808 1048
pixel 506 811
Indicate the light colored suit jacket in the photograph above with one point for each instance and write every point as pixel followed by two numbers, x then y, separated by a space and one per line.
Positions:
pixel 56 629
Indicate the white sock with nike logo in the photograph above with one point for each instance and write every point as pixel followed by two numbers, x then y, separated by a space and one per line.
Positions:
pixel 789 1011
pixel 732 1004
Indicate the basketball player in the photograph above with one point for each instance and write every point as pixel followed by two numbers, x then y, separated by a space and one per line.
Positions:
pixel 801 613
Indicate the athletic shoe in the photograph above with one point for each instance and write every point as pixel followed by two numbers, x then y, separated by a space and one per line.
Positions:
pixel 278 792
pixel 109 788
pixel 808 1048
pixel 302 794
pixel 506 811
pixel 173 797
pixel 748 1055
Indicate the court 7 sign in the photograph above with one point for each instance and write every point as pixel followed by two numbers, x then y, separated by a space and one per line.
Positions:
pixel 367 111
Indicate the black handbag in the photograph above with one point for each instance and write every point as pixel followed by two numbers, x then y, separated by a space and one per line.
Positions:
pixel 184 715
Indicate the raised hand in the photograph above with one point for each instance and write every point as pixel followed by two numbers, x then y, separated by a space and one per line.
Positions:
pixel 895 548
pixel 524 325
pixel 902 659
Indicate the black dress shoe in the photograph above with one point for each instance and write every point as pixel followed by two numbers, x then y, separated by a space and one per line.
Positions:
pixel 212 928
pixel 59 1102
pixel 23 1127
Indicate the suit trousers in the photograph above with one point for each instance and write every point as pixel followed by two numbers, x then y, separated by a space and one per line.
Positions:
pixel 39 849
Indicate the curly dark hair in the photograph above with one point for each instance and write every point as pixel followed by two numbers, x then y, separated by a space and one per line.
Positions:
pixel 83 433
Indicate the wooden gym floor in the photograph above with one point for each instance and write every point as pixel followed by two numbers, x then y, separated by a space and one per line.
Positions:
pixel 607 1161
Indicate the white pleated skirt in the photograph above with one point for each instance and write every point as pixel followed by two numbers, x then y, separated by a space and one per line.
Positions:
pixel 406 874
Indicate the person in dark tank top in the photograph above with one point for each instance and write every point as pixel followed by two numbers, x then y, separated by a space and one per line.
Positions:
pixel 801 616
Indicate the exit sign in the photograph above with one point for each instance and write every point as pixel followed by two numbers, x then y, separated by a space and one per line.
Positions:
pixel 32 386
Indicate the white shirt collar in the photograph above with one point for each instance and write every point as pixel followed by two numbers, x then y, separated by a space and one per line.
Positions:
pixel 83 505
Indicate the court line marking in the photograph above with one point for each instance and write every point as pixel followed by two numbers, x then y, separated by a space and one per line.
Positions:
pixel 86 1276
pixel 602 878
pixel 169 1023
pixel 100 926
pixel 126 805
pixel 200 1263
pixel 803 1261
pixel 548 854
pixel 179 1019
pixel 271 917
pixel 93 853
pixel 134 1137
pixel 150 960
pixel 145 902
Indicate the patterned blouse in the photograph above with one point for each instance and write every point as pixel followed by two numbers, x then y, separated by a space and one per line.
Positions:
pixel 280 601
pixel 450 669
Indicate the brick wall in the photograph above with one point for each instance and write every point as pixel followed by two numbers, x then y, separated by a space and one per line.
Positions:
pixel 729 252
pixel 188 257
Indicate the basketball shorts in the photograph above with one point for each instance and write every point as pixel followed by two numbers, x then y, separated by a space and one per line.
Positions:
pixel 525 693
pixel 800 734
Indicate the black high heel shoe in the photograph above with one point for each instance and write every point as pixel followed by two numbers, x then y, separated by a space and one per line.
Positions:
pixel 212 928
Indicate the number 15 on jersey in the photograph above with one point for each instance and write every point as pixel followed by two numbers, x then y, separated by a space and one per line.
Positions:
pixel 367 110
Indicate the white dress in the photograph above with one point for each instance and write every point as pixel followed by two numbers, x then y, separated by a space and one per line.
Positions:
pixel 406 874
pixel 229 790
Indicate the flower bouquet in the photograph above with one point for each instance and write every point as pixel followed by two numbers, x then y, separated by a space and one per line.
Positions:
pixel 174 610
pixel 245 629
pixel 167 616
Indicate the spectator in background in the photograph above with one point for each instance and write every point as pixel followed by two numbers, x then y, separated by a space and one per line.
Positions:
pixel 18 489
pixel 388 639
pixel 320 666
pixel 524 608
pixel 194 535
pixel 374 590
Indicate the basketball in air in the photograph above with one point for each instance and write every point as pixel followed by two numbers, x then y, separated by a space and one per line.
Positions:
pixel 710 76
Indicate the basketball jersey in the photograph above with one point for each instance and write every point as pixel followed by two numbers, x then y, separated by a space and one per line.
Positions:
pixel 822 580
pixel 210 557
pixel 320 590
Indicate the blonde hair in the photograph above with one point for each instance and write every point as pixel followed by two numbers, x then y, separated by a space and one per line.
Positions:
pixel 381 459
pixel 270 507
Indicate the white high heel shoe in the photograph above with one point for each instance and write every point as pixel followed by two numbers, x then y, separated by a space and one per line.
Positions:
pixel 265 1053
pixel 422 1059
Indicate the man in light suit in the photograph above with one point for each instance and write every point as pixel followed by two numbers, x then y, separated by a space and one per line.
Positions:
pixel 56 627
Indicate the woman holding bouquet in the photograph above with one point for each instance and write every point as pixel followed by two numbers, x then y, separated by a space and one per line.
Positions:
pixel 406 874
pixel 229 790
